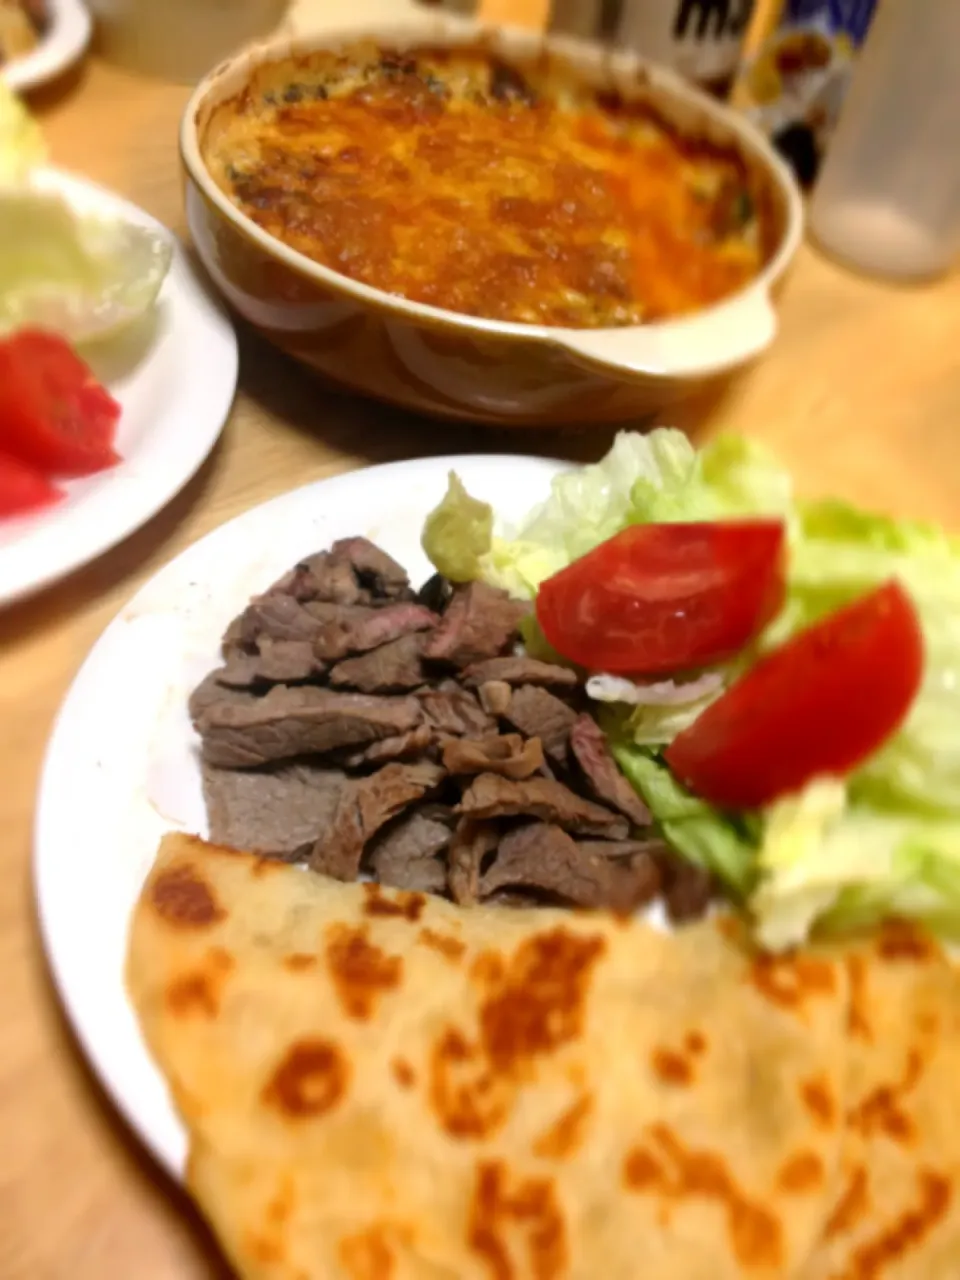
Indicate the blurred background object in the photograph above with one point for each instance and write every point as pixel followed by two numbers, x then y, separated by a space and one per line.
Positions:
pixel 180 39
pixel 794 84
pixel 888 200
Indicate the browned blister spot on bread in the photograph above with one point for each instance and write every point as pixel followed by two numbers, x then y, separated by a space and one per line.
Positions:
pixel 801 1173
pixel 517 1226
pixel 402 903
pixel 368 1254
pixel 444 944
pixel 182 897
pixel 671 1067
pixel 858 1022
pixel 853 1205
pixel 675 1172
pixel 299 961
pixel 882 1110
pixel 893 1244
pixel 310 1079
pixel 531 1005
pixel 791 981
pixel 566 1135
pixel 901 940
pixel 817 1096
pixel 360 970
pixel 200 990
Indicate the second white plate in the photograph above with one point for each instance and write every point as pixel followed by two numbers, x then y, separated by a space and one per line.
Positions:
pixel 174 375
pixel 62 44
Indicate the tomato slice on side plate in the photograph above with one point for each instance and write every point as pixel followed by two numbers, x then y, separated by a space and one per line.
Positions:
pixel 53 413
pixel 819 705
pixel 23 488
pixel 663 598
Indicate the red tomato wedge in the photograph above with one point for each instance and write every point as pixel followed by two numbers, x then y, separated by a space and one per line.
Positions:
pixel 819 705
pixel 23 488
pixel 53 413
pixel 662 598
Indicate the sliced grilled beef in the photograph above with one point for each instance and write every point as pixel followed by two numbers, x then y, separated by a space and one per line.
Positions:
pixel 278 616
pixel 275 662
pixel 538 714
pixel 392 668
pixel 495 697
pixel 602 773
pixel 517 669
pixel 544 857
pixel 275 811
pixel 364 806
pixel 471 843
pixel 210 692
pixel 407 854
pixel 451 709
pixel 374 569
pixel 505 753
pixel 357 629
pixel 402 746
pixel 489 796
pixel 289 722
pixel 322 577
pixel 479 622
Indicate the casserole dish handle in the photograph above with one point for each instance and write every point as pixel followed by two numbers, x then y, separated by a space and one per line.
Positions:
pixel 702 346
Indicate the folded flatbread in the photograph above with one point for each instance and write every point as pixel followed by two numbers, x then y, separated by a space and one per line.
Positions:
pixel 383 1086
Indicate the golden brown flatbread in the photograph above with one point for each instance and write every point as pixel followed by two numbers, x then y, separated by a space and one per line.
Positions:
pixel 383 1086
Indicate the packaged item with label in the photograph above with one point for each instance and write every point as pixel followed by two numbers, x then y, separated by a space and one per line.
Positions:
pixel 795 84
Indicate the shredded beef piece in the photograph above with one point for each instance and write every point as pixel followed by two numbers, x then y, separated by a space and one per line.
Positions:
pixel 406 855
pixel 479 622
pixel 275 811
pixel 491 797
pixel 392 668
pixel 517 669
pixel 471 843
pixel 456 711
pixel 363 807
pixel 588 743
pixel 538 714
pixel 507 754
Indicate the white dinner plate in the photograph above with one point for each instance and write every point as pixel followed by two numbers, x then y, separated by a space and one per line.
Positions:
pixel 174 375
pixel 121 768
pixel 64 41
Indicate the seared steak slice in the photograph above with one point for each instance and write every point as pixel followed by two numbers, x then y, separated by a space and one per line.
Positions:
pixel 471 843
pixel 210 692
pixel 278 616
pixel 538 714
pixel 495 697
pixel 589 746
pixel 364 806
pixel 480 622
pixel 374 569
pixel 299 721
pixel 489 796
pixel 393 667
pixel 516 669
pixel 505 753
pixel 276 662
pixel 456 711
pixel 407 855
pixel 276 811
pixel 321 577
pixel 542 857
pixel 402 746
pixel 357 629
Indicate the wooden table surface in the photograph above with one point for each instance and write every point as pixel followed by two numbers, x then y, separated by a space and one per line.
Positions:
pixel 861 395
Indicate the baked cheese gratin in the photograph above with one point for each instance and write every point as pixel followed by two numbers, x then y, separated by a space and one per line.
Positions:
pixel 447 177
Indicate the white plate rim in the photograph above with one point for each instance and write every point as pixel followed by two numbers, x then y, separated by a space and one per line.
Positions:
pixel 62 45
pixel 210 384
pixel 56 830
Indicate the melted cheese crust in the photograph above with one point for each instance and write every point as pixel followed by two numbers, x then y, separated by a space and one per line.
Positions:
pixel 451 179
